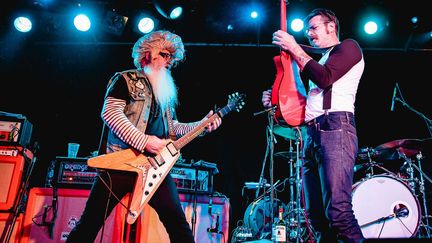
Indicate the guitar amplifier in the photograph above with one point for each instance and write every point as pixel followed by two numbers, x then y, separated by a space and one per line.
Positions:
pixel 15 130
pixel 191 178
pixel 66 172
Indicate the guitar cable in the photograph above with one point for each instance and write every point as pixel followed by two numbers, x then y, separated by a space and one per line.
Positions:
pixel 112 193
pixel 107 203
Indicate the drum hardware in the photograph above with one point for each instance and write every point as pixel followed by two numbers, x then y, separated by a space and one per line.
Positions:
pixel 260 214
pixel 271 140
pixel 421 183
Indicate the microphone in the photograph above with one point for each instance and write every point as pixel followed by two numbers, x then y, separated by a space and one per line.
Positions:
pixel 403 212
pixel 393 98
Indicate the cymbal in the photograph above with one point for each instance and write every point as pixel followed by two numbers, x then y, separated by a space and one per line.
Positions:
pixel 286 154
pixel 391 150
pixel 288 132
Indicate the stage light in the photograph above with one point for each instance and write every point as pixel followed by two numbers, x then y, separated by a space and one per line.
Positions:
pixel 23 24
pixel 371 27
pixel 254 14
pixel 146 25
pixel 82 22
pixel 170 9
pixel 297 25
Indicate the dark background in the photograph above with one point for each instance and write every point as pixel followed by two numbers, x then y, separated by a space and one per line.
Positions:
pixel 57 80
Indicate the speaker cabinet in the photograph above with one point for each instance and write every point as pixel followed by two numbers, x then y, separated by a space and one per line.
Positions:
pixel 6 220
pixel 71 203
pixel 212 213
pixel 11 167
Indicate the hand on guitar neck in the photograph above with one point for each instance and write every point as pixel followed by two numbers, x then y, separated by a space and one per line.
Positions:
pixel 289 44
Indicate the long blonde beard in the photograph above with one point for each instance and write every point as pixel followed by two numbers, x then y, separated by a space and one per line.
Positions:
pixel 164 88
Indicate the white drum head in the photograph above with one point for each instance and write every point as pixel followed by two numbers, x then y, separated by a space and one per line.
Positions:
pixel 377 200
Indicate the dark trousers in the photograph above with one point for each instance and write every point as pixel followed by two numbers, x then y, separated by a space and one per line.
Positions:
pixel 330 151
pixel 99 205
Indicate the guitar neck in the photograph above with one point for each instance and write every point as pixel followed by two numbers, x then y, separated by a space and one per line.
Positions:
pixel 181 142
pixel 283 22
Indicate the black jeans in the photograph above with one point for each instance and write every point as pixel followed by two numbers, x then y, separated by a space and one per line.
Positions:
pixel 330 151
pixel 165 201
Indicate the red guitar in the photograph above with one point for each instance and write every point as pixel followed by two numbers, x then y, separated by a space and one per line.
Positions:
pixel 288 91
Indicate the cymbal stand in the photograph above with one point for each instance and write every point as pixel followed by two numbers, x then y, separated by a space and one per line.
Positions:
pixel 426 216
pixel 412 182
pixel 292 181
pixel 296 211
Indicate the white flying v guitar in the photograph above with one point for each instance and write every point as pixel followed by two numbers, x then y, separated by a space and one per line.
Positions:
pixel 151 171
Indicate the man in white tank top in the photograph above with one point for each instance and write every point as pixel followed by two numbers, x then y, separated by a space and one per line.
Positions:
pixel 331 144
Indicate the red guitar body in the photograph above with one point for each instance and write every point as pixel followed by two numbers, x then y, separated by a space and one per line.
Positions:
pixel 288 92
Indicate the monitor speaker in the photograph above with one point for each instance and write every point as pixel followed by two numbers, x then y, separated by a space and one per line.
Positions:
pixel 11 166
pixel 7 223
pixel 211 225
pixel 71 203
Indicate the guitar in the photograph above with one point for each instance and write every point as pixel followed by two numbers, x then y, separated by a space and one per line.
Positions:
pixel 288 91
pixel 151 171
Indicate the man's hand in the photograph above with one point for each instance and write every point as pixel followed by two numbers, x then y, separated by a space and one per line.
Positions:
pixel 266 98
pixel 288 43
pixel 155 144
pixel 284 40
pixel 214 124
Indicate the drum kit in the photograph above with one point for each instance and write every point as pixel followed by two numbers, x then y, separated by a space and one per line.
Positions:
pixel 387 204
pixel 259 215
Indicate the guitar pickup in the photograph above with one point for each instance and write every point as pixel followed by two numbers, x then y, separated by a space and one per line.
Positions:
pixel 172 149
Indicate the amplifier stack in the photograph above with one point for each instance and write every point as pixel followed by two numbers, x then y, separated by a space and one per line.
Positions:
pixel 65 172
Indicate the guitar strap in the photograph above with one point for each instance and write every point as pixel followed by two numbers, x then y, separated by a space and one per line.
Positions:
pixel 172 135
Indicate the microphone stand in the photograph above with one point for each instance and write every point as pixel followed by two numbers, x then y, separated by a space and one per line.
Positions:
pixel 270 145
pixel 427 120
pixel 419 157
pixel 195 198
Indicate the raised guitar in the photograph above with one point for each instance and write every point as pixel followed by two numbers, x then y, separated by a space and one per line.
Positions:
pixel 288 91
pixel 151 171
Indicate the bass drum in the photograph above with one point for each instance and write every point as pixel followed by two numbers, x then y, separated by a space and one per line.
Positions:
pixel 385 207
pixel 258 216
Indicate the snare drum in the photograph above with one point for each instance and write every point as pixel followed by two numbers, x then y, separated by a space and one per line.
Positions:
pixel 385 207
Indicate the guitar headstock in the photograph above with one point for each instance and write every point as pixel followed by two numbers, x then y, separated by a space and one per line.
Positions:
pixel 236 101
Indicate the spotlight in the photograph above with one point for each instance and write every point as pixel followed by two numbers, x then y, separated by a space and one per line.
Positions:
pixel 146 25
pixel 23 24
pixel 82 22
pixel 114 22
pixel 170 9
pixel 297 25
pixel 371 27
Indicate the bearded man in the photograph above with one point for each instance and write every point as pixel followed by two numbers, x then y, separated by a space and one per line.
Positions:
pixel 139 111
